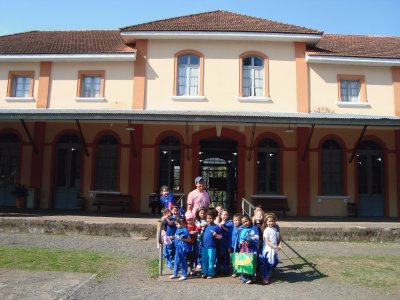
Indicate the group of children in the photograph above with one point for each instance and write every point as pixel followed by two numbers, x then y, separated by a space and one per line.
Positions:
pixel 205 242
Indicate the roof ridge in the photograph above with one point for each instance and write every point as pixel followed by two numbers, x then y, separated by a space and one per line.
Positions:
pixel 219 16
pixel 170 18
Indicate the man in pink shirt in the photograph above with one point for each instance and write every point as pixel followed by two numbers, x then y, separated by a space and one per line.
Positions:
pixel 198 197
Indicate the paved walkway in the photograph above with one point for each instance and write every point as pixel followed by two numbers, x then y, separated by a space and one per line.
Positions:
pixel 32 285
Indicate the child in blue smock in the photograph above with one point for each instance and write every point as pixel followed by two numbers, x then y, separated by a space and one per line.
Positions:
pixel 182 248
pixel 166 198
pixel 168 229
pixel 226 227
pixel 248 235
pixel 234 245
pixel 209 249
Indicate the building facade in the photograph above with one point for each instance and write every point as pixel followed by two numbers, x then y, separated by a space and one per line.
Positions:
pixel 255 106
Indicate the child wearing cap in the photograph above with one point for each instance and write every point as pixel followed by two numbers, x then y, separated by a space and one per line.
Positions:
pixel 198 197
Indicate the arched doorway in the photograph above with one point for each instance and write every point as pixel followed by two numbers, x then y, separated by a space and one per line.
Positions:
pixel 67 172
pixel 370 179
pixel 218 167
pixel 9 154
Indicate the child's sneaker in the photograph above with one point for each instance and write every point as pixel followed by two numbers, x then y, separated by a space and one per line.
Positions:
pixel 210 277
pixel 173 277
pixel 235 275
pixel 266 280
pixel 182 278
pixel 204 276
pixel 248 281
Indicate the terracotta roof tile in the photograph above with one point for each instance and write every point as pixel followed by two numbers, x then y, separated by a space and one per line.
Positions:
pixel 64 42
pixel 357 46
pixel 222 21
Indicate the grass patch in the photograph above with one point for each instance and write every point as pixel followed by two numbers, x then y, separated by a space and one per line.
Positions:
pixel 371 271
pixel 153 267
pixel 61 260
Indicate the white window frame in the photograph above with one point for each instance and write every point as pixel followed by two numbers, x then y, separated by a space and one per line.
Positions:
pixel 91 86
pixel 188 77
pixel 252 69
pixel 352 94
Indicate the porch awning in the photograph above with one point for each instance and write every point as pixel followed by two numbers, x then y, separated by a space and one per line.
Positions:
pixel 198 116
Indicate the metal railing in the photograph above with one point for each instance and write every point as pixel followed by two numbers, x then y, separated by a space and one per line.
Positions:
pixel 247 207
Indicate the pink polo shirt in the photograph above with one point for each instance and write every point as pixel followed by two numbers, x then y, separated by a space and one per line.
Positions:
pixel 198 199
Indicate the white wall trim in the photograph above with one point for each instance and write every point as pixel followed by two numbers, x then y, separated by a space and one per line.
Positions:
pixel 189 98
pixel 201 35
pixel 68 57
pixel 354 104
pixel 90 99
pixel 19 99
pixel 342 60
pixel 255 99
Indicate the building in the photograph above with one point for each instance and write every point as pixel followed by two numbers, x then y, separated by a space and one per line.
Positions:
pixel 256 107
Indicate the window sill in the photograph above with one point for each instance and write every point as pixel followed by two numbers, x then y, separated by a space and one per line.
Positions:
pixel 345 199
pixel 255 99
pixel 20 99
pixel 90 99
pixel 189 98
pixel 354 104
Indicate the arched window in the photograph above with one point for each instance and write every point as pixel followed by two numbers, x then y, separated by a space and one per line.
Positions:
pixel 188 75
pixel 268 167
pixel 252 76
pixel 106 163
pixel 170 163
pixel 332 168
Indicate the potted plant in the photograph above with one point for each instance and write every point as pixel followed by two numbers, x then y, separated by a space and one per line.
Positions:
pixel 20 192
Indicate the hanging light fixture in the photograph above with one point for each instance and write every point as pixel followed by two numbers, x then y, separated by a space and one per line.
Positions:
pixel 129 127
pixel 289 129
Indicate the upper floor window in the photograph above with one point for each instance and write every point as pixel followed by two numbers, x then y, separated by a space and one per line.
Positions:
pixel 91 84
pixel 188 75
pixel 253 76
pixel 188 82
pixel 20 84
pixel 351 88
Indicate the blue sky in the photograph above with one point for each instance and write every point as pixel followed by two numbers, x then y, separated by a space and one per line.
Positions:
pixel 371 17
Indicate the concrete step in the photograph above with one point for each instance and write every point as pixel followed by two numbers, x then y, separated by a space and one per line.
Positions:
pixel 145 226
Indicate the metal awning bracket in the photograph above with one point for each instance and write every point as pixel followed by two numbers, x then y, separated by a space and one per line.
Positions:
pixel 131 129
pixel 29 136
pixel 308 142
pixel 82 137
pixel 252 141
pixel 187 142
